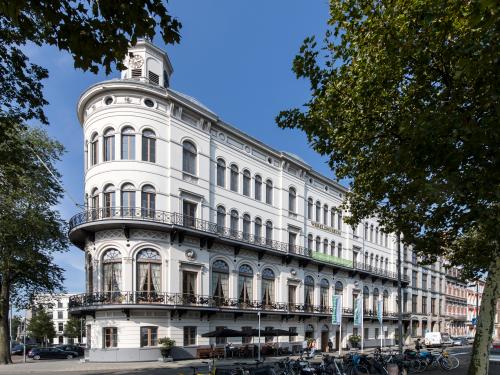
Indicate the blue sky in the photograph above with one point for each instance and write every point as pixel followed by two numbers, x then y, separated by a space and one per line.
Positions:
pixel 234 56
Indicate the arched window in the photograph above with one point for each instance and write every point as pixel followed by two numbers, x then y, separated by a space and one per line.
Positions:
pixel 366 231
pixel 148 146
pixel 221 219
pixel 376 261
pixel 258 188
pixel 245 284
pixel 386 240
pixel 366 298
pixel 128 199
pixel 308 293
pixel 148 273
pixel 324 293
pixel 90 274
pixel 318 211
pixel 257 229
pixel 371 261
pixel 94 149
pixel 221 172
pixel 325 246
pixel 220 281
pixel 233 183
pixel 246 182
pixel 234 223
pixel 246 227
pixel 332 248
pixel 366 261
pixel 339 220
pixel 340 250
pixel 112 273
pixel 292 200
pixel 371 233
pixel 385 302
pixel 386 264
pixel 375 301
pixel 189 155
pixel 268 279
pixel 269 192
pixel 339 288
pixel 128 144
pixel 318 244
pixel 269 233
pixel 109 200
pixel 376 235
pixel 332 217
pixel 148 201
pixel 109 145
pixel 310 242
pixel 94 200
pixel 310 208
pixel 325 214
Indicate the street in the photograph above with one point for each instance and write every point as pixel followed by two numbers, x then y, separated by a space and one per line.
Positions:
pixel 75 367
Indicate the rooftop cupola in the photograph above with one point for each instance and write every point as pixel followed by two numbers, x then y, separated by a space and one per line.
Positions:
pixel 147 63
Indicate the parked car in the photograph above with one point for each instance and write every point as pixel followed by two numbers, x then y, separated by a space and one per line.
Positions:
pixel 495 352
pixel 72 348
pixel 19 349
pixel 459 341
pixel 51 353
pixel 470 340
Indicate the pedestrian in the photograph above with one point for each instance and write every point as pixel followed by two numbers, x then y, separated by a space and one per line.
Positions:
pixel 330 346
pixel 418 345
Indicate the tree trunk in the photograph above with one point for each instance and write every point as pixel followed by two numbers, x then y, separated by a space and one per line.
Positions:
pixel 4 323
pixel 479 364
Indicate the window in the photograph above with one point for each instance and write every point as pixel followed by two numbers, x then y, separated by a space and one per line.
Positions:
pixel 366 333
pixel 148 274
pixel 60 327
pixel 221 173
pixel 246 227
pixel 324 294
pixel 377 332
pixel 325 214
pixel 112 272
pixel 189 336
pixel 385 302
pixel 325 246
pixel 268 279
pixel 332 217
pixel 109 200
pixel 386 242
pixel 310 208
pixel 189 213
pixel 318 244
pixel 433 283
pixel 375 301
pixel 292 198
pixel 154 78
pixel 245 284
pixel 221 219
pixel 128 199
pixel 376 235
pixel 433 306
pixel 339 220
pixel 269 232
pixel 292 241
pixel 308 293
pixel 148 146
pixel 233 183
pixel 189 154
pixel 189 284
pixel 234 223
pixel 339 288
pixel 94 149
pixel 310 242
pixel 292 337
pixel 371 233
pixel 220 280
pixel 414 303
pixel 94 199
pixel 148 201
pixel 424 305
pixel 318 212
pixel 90 274
pixel 258 229
pixel 366 299
pixel 414 279
pixel 246 183
pixel 258 188
pixel 59 304
pixel 109 145
pixel 149 336
pixel 269 192
pixel 292 294
pixel 366 231
pixel 424 281
pixel 332 248
pixel 128 144
pixel 110 337
pixel 340 250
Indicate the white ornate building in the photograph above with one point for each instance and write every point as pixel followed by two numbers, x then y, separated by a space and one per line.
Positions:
pixel 193 225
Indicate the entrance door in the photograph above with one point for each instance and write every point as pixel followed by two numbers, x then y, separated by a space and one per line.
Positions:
pixel 337 340
pixel 324 341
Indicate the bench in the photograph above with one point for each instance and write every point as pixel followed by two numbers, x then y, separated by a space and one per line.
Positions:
pixel 208 352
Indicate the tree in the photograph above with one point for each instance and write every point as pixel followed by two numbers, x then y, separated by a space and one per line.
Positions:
pixel 31 231
pixel 41 326
pixel 74 328
pixel 404 103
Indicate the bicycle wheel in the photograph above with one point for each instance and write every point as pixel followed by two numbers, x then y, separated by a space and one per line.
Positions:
pixel 359 370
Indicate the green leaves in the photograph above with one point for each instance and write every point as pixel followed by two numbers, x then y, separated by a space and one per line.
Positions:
pixel 41 326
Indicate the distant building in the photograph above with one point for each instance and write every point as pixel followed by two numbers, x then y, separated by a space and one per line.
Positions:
pixel 496 332
pixel 456 302
pixel 474 297
pixel 57 306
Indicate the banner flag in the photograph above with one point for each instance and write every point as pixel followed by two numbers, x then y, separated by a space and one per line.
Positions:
pixel 379 310
pixel 358 311
pixel 336 310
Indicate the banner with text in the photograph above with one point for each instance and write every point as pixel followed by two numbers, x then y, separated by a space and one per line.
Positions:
pixel 358 311
pixel 337 310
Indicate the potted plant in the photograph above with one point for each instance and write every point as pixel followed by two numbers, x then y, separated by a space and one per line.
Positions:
pixel 166 347
pixel 354 340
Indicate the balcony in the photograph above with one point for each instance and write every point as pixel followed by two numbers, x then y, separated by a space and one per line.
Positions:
pixel 93 220
pixel 178 301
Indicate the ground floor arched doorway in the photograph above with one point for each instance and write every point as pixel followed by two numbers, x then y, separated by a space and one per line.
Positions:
pixel 325 336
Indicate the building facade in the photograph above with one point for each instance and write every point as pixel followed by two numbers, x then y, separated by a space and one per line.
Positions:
pixel 456 302
pixel 474 297
pixel 192 225
pixel 58 307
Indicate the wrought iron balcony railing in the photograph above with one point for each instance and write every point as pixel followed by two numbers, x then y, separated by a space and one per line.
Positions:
pixel 90 300
pixel 189 222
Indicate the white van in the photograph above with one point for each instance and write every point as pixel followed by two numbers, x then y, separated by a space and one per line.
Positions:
pixel 437 339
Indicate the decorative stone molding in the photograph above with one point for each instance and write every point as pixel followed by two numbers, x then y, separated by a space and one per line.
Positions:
pixel 190 254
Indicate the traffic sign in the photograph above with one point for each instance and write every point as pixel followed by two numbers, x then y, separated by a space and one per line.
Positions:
pixel 474 321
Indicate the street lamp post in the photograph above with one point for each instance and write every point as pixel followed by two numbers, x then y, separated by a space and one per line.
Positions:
pixel 400 301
